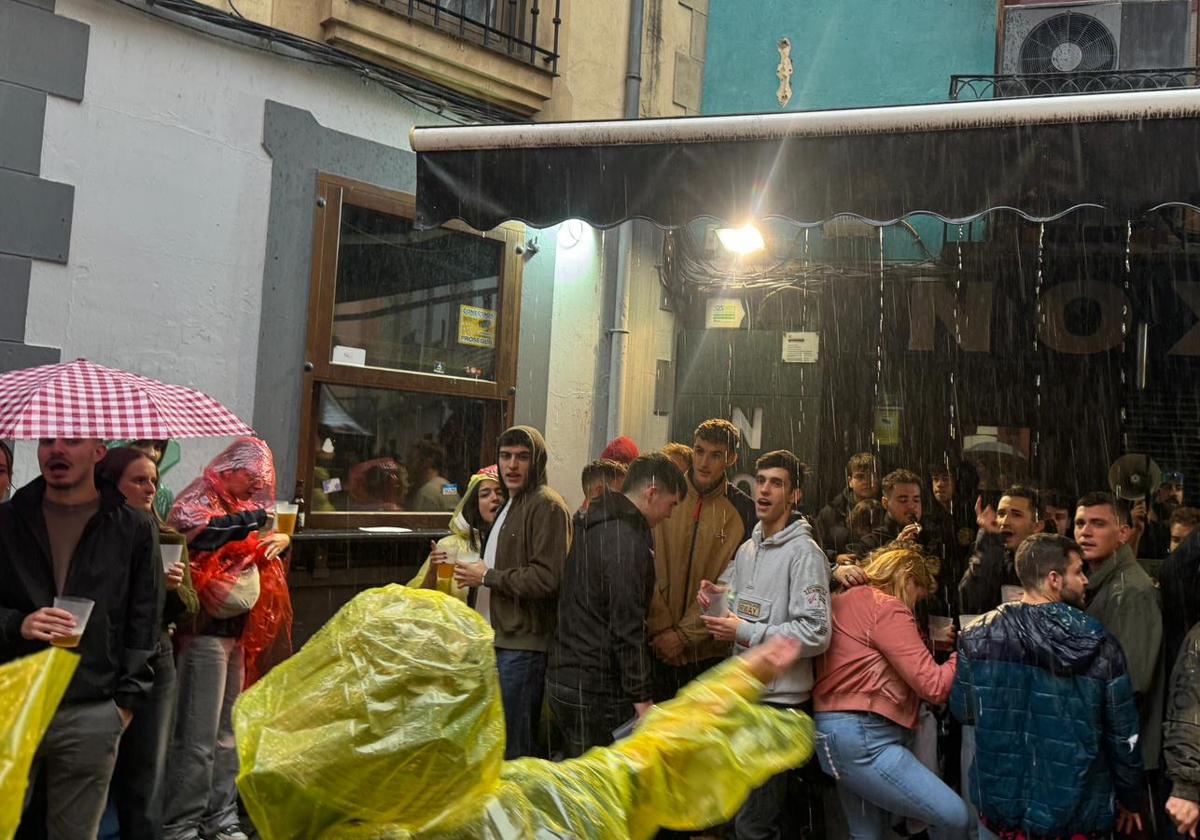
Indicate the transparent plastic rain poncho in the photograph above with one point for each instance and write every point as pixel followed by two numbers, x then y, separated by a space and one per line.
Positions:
pixel 30 690
pixel 216 573
pixel 388 724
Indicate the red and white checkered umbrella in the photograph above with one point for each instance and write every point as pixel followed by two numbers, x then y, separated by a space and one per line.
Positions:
pixel 80 399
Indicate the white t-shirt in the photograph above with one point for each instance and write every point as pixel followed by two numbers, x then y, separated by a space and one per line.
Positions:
pixel 483 600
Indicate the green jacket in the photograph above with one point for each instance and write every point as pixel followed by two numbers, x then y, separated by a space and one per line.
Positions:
pixel 1122 597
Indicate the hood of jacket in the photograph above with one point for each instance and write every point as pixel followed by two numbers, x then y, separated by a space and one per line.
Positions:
pixel 459 526
pixel 538 452
pixel 1069 635
pixel 797 526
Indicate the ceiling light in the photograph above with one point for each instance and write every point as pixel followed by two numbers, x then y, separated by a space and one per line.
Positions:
pixel 743 240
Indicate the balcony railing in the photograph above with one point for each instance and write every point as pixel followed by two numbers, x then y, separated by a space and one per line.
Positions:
pixel 513 27
pixel 1092 81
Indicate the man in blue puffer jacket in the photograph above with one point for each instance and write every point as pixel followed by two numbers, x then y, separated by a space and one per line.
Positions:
pixel 1048 690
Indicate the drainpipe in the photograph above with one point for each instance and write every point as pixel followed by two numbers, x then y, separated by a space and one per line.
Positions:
pixel 619 334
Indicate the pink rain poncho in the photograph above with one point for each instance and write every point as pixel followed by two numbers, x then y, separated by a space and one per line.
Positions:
pixel 245 466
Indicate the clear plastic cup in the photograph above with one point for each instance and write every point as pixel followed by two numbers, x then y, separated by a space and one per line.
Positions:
pixel 1011 593
pixel 445 570
pixel 940 628
pixel 171 556
pixel 81 610
pixel 718 600
pixel 285 517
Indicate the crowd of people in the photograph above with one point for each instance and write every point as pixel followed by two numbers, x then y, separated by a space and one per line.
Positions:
pixel 973 669
pixel 1026 669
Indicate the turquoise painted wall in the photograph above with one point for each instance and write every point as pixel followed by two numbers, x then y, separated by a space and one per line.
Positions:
pixel 848 54
pixel 845 53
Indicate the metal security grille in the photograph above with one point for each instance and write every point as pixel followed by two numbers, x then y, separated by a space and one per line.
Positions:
pixel 1164 423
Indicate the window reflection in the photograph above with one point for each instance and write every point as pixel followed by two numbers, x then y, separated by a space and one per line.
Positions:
pixel 420 301
pixel 386 451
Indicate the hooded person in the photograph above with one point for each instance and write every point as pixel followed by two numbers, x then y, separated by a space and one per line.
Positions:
pixel 388 724
pixel 469 529
pixel 518 580
pixel 244 608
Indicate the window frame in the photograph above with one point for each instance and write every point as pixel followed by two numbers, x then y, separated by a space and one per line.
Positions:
pixel 333 193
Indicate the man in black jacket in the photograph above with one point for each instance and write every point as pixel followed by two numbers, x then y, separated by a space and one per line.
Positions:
pixel 832 526
pixel 1001 531
pixel 599 673
pixel 64 535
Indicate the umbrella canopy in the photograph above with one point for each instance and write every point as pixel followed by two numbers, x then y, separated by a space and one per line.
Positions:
pixel 85 400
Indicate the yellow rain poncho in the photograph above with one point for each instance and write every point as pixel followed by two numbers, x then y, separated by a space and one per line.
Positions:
pixel 30 690
pixel 388 724
pixel 459 541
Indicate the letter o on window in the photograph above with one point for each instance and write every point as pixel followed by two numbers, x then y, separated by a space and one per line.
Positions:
pixel 1052 327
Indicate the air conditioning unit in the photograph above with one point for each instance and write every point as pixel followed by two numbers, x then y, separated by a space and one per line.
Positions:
pixel 1089 38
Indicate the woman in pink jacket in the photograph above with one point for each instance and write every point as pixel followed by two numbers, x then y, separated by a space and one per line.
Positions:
pixel 872 678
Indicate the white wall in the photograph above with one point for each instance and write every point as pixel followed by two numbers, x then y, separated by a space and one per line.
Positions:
pixel 171 193
pixel 651 337
pixel 574 343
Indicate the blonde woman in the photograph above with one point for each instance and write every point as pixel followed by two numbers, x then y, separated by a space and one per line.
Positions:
pixel 872 678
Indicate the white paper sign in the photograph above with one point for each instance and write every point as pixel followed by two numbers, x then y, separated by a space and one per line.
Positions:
pixel 801 347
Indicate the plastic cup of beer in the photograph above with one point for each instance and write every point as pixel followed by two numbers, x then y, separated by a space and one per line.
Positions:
pixel 1010 593
pixel 445 569
pixel 285 517
pixel 940 629
pixel 81 610
pixel 171 556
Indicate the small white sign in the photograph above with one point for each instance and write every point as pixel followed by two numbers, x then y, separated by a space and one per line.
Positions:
pixel 801 347
pixel 724 313
pixel 343 355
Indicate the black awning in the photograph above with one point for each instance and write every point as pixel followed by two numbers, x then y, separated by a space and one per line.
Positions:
pixel 1041 157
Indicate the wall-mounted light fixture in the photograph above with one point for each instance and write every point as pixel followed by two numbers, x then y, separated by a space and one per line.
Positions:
pixel 571 233
pixel 744 240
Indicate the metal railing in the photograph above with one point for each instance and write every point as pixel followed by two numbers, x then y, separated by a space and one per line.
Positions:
pixel 1092 81
pixel 513 27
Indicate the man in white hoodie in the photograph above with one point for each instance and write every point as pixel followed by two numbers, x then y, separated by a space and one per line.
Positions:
pixel 776 585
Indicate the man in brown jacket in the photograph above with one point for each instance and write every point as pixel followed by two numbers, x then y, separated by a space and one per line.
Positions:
pixel 518 581
pixel 696 544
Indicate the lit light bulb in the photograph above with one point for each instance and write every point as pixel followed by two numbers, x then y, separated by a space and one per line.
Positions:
pixel 743 240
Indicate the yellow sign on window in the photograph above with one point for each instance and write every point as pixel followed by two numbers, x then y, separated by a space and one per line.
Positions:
pixel 477 326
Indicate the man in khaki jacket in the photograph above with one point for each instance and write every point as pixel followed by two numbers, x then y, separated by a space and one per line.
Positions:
pixel 696 544
pixel 518 581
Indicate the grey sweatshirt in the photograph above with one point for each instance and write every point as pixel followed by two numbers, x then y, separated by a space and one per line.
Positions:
pixel 780 586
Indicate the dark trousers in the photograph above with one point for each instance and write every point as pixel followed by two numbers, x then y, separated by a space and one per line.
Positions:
pixel 138 783
pixel 76 759
pixel 522 685
pixel 586 720
pixel 787 805
pixel 668 679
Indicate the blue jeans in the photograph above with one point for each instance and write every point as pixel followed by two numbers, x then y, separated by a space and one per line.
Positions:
pixel 522 683
pixel 876 775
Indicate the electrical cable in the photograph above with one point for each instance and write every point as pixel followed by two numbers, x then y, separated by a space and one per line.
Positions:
pixel 436 99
